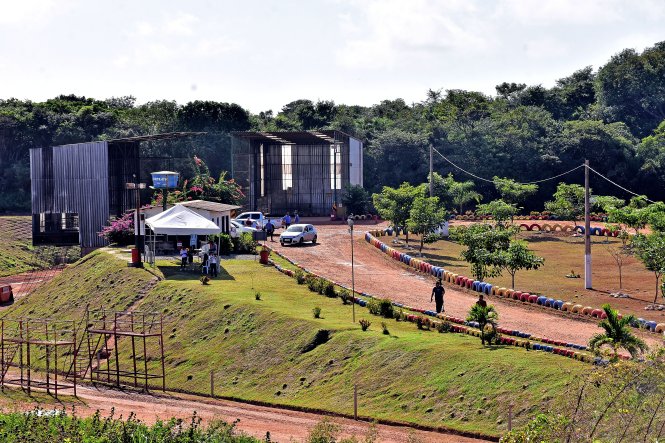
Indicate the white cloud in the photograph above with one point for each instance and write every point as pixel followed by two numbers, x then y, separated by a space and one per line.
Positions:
pixel 182 24
pixel 557 12
pixel 394 31
pixel 25 11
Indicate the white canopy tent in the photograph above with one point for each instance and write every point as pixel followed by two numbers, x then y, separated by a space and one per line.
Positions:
pixel 179 220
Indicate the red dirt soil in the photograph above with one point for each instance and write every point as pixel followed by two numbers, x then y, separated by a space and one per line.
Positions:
pixel 379 275
pixel 283 425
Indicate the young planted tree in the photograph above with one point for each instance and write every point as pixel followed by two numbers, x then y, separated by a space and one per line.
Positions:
pixel 619 254
pixel 483 242
pixel 425 216
pixel 499 210
pixel 617 335
pixel 568 203
pixel 650 249
pixel 518 256
pixel 395 204
pixel 484 315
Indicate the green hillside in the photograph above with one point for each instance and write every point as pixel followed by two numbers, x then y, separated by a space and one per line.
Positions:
pixel 273 350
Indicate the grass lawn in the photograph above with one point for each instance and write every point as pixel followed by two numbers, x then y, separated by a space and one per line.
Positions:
pixel 273 350
pixel 564 253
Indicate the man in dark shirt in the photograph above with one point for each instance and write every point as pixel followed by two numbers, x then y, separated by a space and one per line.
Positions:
pixel 481 301
pixel 270 229
pixel 437 296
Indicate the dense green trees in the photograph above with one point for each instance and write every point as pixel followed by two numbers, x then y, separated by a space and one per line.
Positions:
pixel 614 117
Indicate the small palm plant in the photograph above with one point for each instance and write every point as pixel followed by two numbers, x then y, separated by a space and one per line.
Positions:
pixel 484 316
pixel 617 335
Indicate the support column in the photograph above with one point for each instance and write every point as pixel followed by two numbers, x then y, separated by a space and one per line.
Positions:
pixel 587 229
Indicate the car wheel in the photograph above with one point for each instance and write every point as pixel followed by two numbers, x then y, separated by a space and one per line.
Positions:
pixel 281 243
pixel 300 242
pixel 314 240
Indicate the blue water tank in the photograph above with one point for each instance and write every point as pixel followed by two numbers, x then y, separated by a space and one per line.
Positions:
pixel 165 179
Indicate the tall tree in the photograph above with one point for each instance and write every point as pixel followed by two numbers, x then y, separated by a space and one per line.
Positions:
pixel 513 192
pixel 483 243
pixel 568 203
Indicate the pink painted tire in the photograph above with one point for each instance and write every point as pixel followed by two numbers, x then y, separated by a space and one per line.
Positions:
pixel 532 298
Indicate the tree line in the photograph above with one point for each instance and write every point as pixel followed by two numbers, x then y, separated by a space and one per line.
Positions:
pixel 613 116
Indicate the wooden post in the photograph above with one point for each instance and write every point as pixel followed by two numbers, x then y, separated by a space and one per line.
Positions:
pixel 145 356
pixel 161 346
pixel 85 331
pixel 76 353
pixel 131 318
pixel 355 402
pixel 510 417
pixel 212 384
pixel 587 228
pixel 48 385
pixel 27 351
pixel 115 348
pixel 20 349
pixel 431 171
pixel 55 359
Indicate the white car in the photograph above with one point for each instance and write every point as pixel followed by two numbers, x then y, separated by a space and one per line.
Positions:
pixel 238 228
pixel 298 234
pixel 257 218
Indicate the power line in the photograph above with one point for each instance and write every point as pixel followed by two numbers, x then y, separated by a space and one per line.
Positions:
pixel 618 185
pixel 492 181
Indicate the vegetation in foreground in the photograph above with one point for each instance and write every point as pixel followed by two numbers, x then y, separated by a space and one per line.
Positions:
pixel 273 350
pixel 53 426
pixel 619 403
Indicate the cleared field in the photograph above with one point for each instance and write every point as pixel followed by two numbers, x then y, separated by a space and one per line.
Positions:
pixel 273 350
pixel 16 251
pixel 564 253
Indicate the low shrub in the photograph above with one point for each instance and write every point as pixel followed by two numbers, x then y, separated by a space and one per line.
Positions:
pixel 257 296
pixel 385 329
pixel 328 289
pixel 225 244
pixel 491 336
pixel 380 306
pixel 422 323
pixel 300 276
pixel 316 312
pixel 204 280
pixel 364 324
pixel 313 283
pixel 345 296
pixel 246 243
pixel 431 238
pixel 399 315
pixel 443 326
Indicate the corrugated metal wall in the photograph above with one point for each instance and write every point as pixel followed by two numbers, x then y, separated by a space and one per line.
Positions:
pixel 73 179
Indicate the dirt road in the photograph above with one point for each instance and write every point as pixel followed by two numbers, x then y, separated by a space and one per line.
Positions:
pixel 283 425
pixel 377 274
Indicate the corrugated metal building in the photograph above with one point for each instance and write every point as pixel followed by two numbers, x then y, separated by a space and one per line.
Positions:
pixel 77 188
pixel 302 171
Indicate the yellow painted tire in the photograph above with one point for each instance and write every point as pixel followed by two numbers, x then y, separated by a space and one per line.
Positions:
pixel 576 309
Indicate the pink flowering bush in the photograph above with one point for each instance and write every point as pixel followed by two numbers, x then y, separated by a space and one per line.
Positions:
pixel 120 231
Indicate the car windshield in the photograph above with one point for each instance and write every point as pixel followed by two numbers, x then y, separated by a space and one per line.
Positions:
pixel 295 229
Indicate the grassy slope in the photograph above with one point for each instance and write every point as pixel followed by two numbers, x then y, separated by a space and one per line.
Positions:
pixel 256 347
pixel 16 252
pixel 98 279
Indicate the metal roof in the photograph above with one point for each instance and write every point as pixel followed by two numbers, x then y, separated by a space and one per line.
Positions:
pixel 294 137
pixel 209 206
pixel 155 137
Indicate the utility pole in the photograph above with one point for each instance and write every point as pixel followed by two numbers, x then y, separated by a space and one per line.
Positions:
pixel 431 171
pixel 587 229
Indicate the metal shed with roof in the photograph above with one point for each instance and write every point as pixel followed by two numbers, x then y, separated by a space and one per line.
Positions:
pixel 302 171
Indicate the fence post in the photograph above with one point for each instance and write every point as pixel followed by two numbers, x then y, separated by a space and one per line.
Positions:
pixel 212 384
pixel 510 417
pixel 355 402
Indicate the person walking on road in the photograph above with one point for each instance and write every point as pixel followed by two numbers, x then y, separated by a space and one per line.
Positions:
pixel 437 295
pixel 287 220
pixel 481 301
pixel 270 229
pixel 296 218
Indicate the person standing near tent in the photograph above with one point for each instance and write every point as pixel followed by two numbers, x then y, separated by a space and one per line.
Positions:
pixel 213 265
pixel 270 229
pixel 437 295
pixel 183 258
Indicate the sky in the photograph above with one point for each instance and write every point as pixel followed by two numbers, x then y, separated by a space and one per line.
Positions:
pixel 265 54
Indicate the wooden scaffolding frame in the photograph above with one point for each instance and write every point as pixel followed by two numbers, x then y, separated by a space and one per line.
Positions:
pixel 25 341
